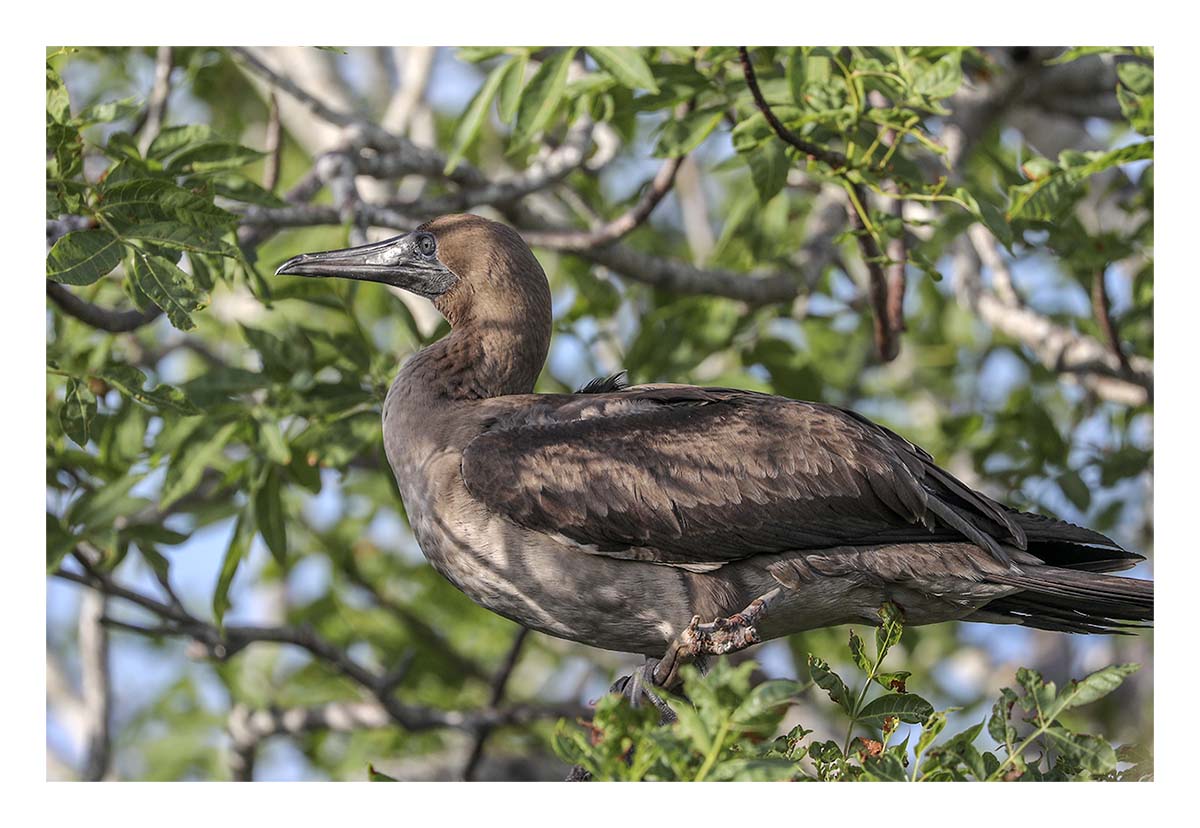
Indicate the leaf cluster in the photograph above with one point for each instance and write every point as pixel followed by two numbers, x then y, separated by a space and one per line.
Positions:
pixel 727 730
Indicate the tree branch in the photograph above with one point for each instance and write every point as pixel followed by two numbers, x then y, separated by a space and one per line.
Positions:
pixel 156 105
pixel 223 643
pixel 1100 306
pixel 577 240
pixel 1058 348
pixel 113 321
pixel 274 145
pixel 96 687
pixel 499 684
pixel 887 344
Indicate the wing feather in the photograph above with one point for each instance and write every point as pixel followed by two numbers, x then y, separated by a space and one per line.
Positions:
pixel 698 477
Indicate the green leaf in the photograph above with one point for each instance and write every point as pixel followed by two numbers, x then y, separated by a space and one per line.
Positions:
pixel 858 653
pixel 889 630
pixel 167 286
pixel 760 711
pixel 753 770
pixel 268 512
pixel 931 729
pixel 1138 78
pixel 274 443
pixel 541 97
pixel 82 257
pixel 130 382
pixel 1090 752
pixel 769 165
pixel 1078 52
pixel 237 187
pixel 77 412
pixel 941 79
pixel 1076 490
pixel 181 237
pixel 476 113
pixel 212 155
pixel 509 97
pixel 625 63
pixel 190 461
pixel 99 508
pixel 998 723
pixel 59 542
pixel 477 54
pixel 239 546
pixel 143 200
pixel 1095 686
pixel 58 102
pixel 103 113
pixel 173 139
pixel 830 682
pixel 375 776
pixel 680 136
pixel 1047 196
pixel 907 707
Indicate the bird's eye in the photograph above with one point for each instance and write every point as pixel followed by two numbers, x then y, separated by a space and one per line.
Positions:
pixel 427 245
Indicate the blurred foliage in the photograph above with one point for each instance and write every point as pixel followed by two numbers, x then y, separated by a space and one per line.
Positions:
pixel 724 724
pixel 235 445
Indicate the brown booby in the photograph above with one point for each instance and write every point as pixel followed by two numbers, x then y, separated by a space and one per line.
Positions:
pixel 673 520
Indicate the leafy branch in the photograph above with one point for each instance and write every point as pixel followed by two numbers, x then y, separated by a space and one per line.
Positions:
pixel 724 727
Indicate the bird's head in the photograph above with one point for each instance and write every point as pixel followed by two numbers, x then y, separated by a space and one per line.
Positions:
pixel 472 268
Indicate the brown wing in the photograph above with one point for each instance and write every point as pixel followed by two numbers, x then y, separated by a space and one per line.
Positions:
pixel 701 476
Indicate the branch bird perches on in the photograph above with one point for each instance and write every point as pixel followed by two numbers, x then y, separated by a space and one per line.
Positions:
pixel 676 521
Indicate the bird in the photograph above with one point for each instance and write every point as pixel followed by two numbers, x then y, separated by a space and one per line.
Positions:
pixel 676 521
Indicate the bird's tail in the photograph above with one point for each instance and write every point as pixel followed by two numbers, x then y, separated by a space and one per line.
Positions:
pixel 1071 600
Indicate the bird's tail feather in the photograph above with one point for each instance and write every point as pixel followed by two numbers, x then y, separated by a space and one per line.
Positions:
pixel 1069 600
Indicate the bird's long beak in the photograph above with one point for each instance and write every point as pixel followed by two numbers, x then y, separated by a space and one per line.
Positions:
pixel 397 261
pixel 368 262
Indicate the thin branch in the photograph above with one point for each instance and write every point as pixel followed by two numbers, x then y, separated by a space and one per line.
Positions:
pixel 96 687
pixel 577 240
pixel 544 171
pixel 314 105
pixel 987 248
pixel 223 643
pixel 156 105
pixel 897 279
pixel 337 170
pixel 681 277
pixel 274 144
pixel 1058 348
pixel 499 684
pixel 886 341
pixel 831 158
pixel 106 319
pixel 1103 311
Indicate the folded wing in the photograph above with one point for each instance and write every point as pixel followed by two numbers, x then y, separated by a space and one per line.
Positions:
pixel 698 477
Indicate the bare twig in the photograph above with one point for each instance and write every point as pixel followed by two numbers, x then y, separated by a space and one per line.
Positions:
pixel 575 240
pixel 274 144
pixel 156 105
pixel 96 695
pixel 499 683
pixel 543 172
pixel 681 277
pixel 897 280
pixel 986 247
pixel 106 319
pixel 1103 311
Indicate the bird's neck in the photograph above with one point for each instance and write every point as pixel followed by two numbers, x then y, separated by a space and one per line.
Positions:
pixel 480 358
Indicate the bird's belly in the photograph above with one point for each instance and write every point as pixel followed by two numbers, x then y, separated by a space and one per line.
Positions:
pixel 542 582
